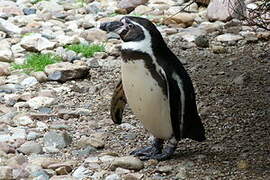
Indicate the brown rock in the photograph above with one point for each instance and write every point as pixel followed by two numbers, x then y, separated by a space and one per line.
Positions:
pixel 130 5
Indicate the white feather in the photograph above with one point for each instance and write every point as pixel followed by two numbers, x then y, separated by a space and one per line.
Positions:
pixel 182 99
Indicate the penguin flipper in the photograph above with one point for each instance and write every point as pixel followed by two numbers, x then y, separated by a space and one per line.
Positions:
pixel 118 103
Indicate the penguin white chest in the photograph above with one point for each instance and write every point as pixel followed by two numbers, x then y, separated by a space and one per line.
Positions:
pixel 146 99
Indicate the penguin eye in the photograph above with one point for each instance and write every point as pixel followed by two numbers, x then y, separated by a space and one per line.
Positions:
pixel 130 26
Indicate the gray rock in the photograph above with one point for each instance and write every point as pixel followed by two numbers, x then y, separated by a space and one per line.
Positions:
pixel 217 49
pixel 30 81
pixel 228 37
pixel 191 33
pixel 6 54
pixel 225 10
pixel 202 41
pixel 28 11
pixel 127 162
pixel 49 6
pixel 35 42
pixel 58 140
pixel 64 71
pixel 30 148
pixel 40 175
pixel 6 118
pixel 40 101
pixel 8 27
pixel 113 177
pixel 241 80
pixel 33 135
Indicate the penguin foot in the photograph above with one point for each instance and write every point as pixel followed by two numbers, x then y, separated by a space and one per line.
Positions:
pixel 155 151
pixel 164 155
pixel 156 148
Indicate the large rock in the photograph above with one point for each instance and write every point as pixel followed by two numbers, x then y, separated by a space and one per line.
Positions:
pixel 64 71
pixel 130 5
pixel 225 10
pixel 6 54
pixel 58 140
pixel 8 27
pixel 35 42
pixel 4 69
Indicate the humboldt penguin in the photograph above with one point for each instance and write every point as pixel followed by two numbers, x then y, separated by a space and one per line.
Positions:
pixel 156 86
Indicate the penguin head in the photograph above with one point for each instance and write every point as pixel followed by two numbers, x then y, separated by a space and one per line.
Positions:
pixel 135 30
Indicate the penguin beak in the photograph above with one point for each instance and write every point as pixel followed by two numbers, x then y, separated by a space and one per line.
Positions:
pixel 118 27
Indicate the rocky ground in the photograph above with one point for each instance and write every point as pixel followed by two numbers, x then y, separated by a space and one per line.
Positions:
pixel 56 124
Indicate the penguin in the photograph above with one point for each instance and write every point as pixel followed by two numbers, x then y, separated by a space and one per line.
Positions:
pixel 156 86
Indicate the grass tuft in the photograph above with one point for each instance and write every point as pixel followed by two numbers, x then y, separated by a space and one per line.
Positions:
pixel 37 62
pixel 86 50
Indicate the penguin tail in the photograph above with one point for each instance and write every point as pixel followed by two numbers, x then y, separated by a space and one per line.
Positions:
pixel 196 130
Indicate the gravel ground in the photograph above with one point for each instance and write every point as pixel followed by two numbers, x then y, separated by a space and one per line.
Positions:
pixel 233 99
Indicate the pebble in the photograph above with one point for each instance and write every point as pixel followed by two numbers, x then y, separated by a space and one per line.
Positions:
pixel 127 162
pixel 40 101
pixel 113 177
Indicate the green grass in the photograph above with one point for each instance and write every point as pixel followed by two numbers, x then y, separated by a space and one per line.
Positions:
pixel 86 50
pixel 37 62
pixel 36 1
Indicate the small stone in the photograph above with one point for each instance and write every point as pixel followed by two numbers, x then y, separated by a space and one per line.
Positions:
pixel 241 80
pixel 127 162
pixel 63 170
pixel 30 148
pixel 28 82
pixel 94 35
pixel 58 140
pixel 33 136
pixel 228 37
pixel 182 174
pixel 218 49
pixel 121 171
pixel 164 169
pixel 28 11
pixel 113 177
pixel 202 41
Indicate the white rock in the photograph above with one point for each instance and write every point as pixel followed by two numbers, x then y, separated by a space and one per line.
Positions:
pixel 81 172
pixel 16 78
pixel 5 137
pixel 228 37
pixel 38 102
pixel 35 42
pixel 5 51
pixel 8 27
pixel 30 148
pixel 142 9
pixel 113 177
pixel 28 82
pixel 168 2
pixel 225 10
